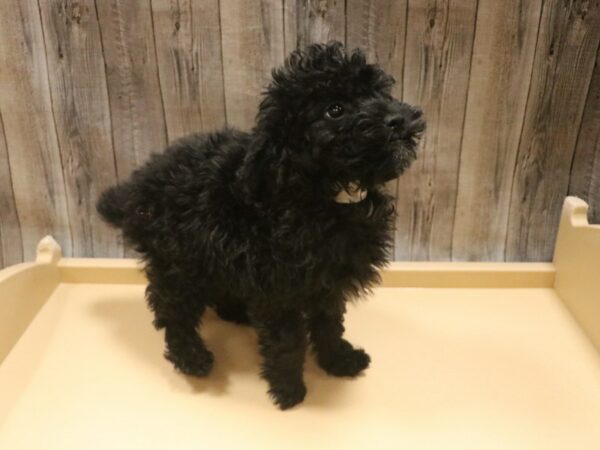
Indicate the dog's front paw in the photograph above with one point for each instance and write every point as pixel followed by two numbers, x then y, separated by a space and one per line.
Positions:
pixel 287 396
pixel 344 360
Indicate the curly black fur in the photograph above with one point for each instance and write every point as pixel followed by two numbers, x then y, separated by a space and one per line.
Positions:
pixel 247 223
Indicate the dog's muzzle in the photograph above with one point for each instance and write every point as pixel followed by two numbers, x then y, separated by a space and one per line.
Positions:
pixel 404 121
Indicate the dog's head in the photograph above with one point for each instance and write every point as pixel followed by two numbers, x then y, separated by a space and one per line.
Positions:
pixel 333 114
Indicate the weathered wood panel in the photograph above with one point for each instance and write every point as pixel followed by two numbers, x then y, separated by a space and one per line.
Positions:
pixel 89 88
pixel 188 45
pixel 29 130
pixel 585 171
pixel 503 52
pixel 11 245
pixel 253 42
pixel 82 116
pixel 436 76
pixel 564 60
pixel 378 27
pixel 290 26
pixel 321 21
pixel 138 121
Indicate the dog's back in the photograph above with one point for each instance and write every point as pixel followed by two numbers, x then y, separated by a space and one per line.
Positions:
pixel 164 199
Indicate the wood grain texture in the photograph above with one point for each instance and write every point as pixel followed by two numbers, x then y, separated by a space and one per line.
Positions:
pixel 290 25
pixel 138 122
pixel 29 130
pixel 504 47
pixel 253 43
pixel 188 45
pixel 11 245
pixel 88 88
pixel 585 172
pixel 321 21
pixel 81 112
pixel 378 27
pixel 563 65
pixel 436 76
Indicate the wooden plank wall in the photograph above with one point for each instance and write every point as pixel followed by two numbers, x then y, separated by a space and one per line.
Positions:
pixel 511 90
pixel 585 171
pixel 564 61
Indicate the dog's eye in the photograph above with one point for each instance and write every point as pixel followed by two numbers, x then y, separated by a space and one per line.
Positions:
pixel 335 111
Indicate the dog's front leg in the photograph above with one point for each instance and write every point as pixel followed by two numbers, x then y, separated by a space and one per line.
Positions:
pixel 282 341
pixel 335 354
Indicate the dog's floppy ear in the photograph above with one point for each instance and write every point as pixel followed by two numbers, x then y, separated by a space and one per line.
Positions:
pixel 277 141
pixel 273 117
pixel 264 167
pixel 256 167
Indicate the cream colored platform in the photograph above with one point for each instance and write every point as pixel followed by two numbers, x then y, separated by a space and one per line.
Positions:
pixel 465 356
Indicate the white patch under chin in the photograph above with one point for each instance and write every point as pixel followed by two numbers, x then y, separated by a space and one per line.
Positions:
pixel 352 193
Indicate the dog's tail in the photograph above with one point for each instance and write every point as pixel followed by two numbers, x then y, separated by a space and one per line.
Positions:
pixel 112 205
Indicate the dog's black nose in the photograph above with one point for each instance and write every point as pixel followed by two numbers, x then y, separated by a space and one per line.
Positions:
pixel 404 120
pixel 402 115
pixel 394 120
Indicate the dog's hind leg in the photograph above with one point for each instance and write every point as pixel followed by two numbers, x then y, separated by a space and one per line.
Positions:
pixel 179 314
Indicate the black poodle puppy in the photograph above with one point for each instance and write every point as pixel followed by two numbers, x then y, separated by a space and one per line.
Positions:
pixel 278 227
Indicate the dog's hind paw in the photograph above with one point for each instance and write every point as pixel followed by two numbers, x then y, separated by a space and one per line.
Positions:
pixel 197 363
pixel 286 397
pixel 344 361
